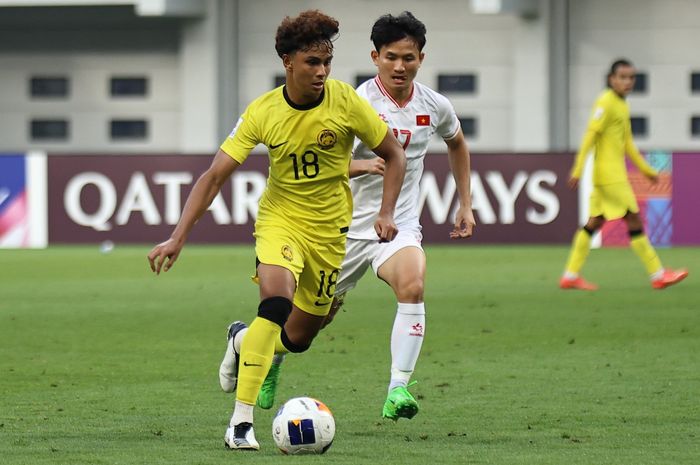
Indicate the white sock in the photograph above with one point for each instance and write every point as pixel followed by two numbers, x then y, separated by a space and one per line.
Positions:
pixel 658 275
pixel 242 413
pixel 569 275
pixel 406 342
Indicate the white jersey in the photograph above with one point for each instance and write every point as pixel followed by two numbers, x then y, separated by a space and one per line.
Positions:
pixel 413 124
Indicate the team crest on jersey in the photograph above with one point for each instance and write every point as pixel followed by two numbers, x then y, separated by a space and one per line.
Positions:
pixel 287 253
pixel 326 139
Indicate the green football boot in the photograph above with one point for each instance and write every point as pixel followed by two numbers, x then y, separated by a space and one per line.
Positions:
pixel 399 404
pixel 266 396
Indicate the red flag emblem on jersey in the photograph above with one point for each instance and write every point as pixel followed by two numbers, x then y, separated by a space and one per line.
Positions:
pixel 422 120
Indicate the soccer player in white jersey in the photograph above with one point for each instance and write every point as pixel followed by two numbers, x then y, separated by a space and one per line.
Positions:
pixel 415 113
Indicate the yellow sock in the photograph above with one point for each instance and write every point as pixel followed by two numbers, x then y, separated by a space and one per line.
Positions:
pixel 646 253
pixel 580 247
pixel 257 349
pixel 279 347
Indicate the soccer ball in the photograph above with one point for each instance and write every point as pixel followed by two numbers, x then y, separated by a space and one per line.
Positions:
pixel 303 426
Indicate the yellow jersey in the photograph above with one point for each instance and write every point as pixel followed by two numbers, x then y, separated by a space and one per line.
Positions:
pixel 309 150
pixel 609 134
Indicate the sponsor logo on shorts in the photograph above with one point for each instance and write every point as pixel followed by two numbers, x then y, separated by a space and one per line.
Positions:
pixel 287 253
pixel 321 304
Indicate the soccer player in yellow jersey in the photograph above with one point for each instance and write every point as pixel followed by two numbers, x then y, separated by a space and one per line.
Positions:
pixel 308 126
pixel 609 135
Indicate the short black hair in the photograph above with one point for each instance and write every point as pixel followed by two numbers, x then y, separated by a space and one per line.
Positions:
pixel 310 28
pixel 620 62
pixel 389 28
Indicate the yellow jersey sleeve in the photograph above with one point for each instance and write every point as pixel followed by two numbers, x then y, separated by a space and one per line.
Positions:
pixel 243 138
pixel 599 114
pixel 596 124
pixel 637 158
pixel 369 127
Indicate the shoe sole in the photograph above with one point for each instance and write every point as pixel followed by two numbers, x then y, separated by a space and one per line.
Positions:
pixel 406 411
pixel 567 287
pixel 227 385
pixel 249 447
pixel 223 379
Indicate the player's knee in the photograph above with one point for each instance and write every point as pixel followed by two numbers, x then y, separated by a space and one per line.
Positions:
pixel 275 309
pixel 294 347
pixel 593 225
pixel 411 291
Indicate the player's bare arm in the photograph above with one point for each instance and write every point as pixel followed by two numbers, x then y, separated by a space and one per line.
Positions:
pixel 460 165
pixel 374 165
pixel 164 255
pixel 395 169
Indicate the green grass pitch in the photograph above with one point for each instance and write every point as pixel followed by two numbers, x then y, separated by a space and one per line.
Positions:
pixel 103 363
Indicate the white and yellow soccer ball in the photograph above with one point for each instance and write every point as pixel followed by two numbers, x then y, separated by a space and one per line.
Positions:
pixel 303 425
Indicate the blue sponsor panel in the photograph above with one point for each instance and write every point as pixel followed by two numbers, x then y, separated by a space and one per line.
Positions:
pixel 660 221
pixel 13 201
pixel 13 173
pixel 659 205
pixel 660 160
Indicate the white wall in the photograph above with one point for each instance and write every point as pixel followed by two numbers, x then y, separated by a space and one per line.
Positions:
pixel 183 60
pixel 457 42
pixel 89 106
pixel 88 46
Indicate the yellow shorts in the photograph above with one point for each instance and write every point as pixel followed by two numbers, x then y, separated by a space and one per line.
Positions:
pixel 613 201
pixel 315 266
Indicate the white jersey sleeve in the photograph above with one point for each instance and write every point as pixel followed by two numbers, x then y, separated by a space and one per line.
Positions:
pixel 425 114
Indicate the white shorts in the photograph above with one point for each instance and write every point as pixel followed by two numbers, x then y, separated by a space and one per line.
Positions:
pixel 362 253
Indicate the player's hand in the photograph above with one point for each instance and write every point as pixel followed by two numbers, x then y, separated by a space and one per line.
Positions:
pixel 573 182
pixel 385 228
pixel 164 255
pixel 374 166
pixel 464 223
pixel 654 178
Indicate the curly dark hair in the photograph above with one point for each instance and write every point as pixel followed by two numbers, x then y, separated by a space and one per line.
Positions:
pixel 309 29
pixel 389 28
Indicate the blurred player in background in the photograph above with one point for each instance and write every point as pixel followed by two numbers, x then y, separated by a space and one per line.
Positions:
pixel 308 126
pixel 415 113
pixel 609 134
